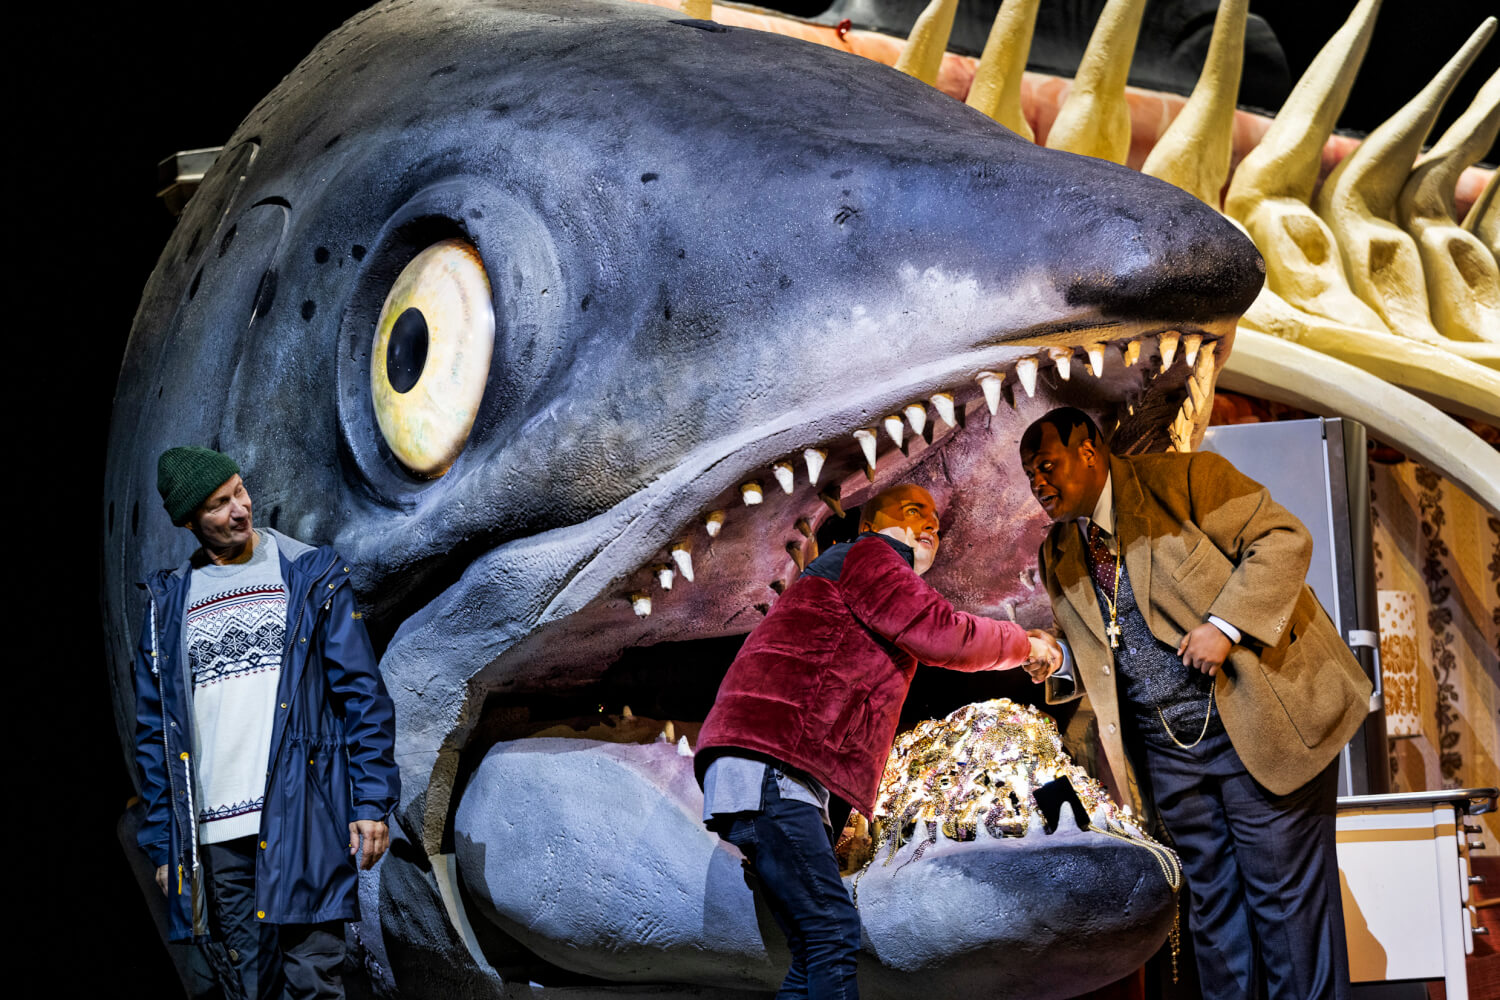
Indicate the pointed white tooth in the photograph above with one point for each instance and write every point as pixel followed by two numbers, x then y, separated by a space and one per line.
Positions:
pixel 1062 357
pixel 1096 359
pixel 1026 372
pixel 683 750
pixel 814 457
pixel 1132 353
pixel 866 439
pixel 664 576
pixel 640 603
pixel 712 522
pixel 990 382
pixel 1205 368
pixel 894 428
pixel 1066 821
pixel 1167 343
pixel 628 713
pixel 1190 347
pixel 683 557
pixel 1036 826
pixel 1197 395
pixel 804 527
pixel 785 475
pixel 751 494
pixel 661 737
pixel 1026 581
pixel 916 415
pixel 798 556
pixel 943 403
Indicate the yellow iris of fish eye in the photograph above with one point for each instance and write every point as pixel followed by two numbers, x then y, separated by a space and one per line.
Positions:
pixel 427 389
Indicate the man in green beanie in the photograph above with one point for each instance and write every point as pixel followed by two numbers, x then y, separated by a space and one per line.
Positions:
pixel 264 737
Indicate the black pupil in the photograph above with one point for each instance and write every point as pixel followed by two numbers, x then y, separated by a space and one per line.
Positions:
pixel 406 352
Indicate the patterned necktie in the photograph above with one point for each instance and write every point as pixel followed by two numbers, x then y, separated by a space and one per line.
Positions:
pixel 1101 560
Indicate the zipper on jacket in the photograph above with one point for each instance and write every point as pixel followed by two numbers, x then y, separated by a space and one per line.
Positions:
pixel 197 902
pixel 292 639
pixel 166 747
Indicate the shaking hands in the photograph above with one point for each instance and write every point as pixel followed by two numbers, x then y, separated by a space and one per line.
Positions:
pixel 1046 655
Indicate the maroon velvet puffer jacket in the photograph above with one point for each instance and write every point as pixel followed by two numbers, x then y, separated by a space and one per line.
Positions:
pixel 819 684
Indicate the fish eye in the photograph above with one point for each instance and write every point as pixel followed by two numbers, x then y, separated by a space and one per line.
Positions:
pixel 431 357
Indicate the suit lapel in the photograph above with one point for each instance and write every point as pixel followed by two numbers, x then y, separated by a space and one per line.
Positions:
pixel 1133 534
pixel 1073 577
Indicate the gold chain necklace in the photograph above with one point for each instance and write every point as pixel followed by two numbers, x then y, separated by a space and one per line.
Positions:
pixel 1173 736
pixel 1113 632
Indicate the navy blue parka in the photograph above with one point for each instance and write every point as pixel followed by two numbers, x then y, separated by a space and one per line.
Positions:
pixel 332 748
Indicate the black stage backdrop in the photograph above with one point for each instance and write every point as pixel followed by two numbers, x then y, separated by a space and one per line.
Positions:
pixel 102 95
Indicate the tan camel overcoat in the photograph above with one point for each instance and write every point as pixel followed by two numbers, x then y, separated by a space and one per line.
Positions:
pixel 1199 538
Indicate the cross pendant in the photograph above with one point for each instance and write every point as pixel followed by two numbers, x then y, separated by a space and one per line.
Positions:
pixel 1113 631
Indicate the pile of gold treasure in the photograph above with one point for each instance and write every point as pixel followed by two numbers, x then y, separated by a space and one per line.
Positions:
pixel 979 767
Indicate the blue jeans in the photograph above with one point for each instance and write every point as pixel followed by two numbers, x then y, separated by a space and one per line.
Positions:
pixel 787 846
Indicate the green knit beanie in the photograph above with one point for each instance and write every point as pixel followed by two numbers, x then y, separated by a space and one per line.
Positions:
pixel 185 477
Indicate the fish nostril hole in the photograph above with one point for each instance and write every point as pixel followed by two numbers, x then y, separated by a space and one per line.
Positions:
pixel 406 354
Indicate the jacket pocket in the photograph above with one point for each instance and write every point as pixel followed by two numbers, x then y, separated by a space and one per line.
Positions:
pixel 1303 672
pixel 852 729
pixel 1199 578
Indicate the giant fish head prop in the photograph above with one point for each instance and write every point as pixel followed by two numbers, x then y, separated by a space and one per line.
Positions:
pixel 533 309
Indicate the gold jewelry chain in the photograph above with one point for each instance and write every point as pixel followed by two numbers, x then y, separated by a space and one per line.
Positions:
pixel 1173 736
pixel 1114 631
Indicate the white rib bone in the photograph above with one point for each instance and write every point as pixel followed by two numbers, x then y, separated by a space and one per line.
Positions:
pixel 943 403
pixel 785 476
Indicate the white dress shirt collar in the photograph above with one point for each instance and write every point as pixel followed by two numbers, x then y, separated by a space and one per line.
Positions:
pixel 1104 510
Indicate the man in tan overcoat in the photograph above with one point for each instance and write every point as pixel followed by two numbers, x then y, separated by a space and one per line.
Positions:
pixel 1222 690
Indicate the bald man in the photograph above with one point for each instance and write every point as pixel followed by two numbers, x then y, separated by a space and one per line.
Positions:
pixel 806 715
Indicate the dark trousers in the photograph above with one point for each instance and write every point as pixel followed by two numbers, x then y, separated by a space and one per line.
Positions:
pixel 1266 913
pixel 788 848
pixel 274 961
